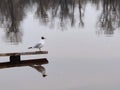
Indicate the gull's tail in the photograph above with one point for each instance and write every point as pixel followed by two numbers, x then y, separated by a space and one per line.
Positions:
pixel 29 47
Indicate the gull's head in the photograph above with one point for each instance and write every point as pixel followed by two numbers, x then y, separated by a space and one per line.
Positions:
pixel 44 75
pixel 43 38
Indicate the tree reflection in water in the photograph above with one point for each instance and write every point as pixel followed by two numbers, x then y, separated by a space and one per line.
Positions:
pixel 110 17
pixel 12 12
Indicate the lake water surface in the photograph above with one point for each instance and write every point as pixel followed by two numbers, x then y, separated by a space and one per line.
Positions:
pixel 82 40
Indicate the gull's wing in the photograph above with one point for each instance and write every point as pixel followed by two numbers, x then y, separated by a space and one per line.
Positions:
pixel 37 45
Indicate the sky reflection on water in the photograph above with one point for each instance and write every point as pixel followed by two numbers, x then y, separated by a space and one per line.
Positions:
pixel 78 57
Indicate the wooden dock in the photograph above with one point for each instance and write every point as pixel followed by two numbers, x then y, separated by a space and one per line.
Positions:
pixel 15 61
pixel 24 53
pixel 15 57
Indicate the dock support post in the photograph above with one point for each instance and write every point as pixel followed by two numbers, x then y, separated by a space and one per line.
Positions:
pixel 15 59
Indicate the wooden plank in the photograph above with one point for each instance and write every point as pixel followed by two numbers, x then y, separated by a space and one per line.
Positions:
pixel 24 53
pixel 24 63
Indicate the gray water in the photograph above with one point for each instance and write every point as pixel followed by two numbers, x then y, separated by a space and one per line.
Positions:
pixel 81 57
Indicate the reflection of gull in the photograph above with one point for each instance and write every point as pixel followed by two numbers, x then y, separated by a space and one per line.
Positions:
pixel 40 68
pixel 40 44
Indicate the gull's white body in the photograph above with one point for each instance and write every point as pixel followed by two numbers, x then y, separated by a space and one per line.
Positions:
pixel 39 45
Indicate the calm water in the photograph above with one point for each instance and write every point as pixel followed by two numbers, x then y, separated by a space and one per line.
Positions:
pixel 82 40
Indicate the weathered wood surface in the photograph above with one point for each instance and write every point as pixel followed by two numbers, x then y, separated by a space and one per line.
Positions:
pixel 24 53
pixel 24 63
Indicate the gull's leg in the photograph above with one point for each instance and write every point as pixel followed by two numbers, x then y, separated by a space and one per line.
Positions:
pixel 40 49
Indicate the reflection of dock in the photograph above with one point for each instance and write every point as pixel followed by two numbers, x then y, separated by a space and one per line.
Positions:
pixel 24 63
pixel 34 63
